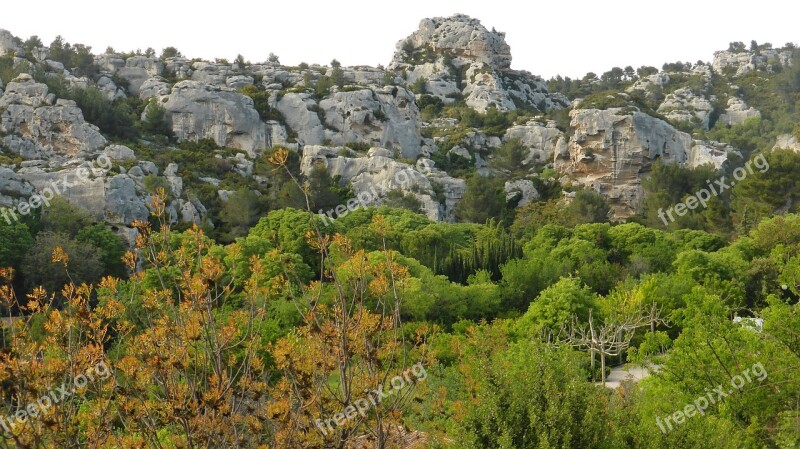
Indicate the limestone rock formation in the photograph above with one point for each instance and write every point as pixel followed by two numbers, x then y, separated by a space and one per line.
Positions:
pixel 710 152
pixel 523 189
pixel 787 142
pixel 137 70
pixel 737 112
pixel 684 105
pixel 40 126
pixel 611 150
pixel 543 142
pixel 386 117
pixel 377 174
pixel 8 44
pixel 443 47
pixel 200 111
pixel 744 62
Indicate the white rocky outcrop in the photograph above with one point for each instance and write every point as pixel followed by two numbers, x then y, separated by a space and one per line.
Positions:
pixel 683 105
pixel 444 46
pixel 8 44
pixel 737 112
pixel 523 189
pixel 197 111
pixel 787 142
pixel 137 70
pixel 298 110
pixel 386 117
pixel 39 126
pixel 741 63
pixel 710 153
pixel 377 174
pixel 611 150
pixel 543 142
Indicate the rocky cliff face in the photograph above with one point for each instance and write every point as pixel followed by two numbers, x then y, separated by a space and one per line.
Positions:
pixel 201 111
pixel 39 126
pixel 449 58
pixel 612 150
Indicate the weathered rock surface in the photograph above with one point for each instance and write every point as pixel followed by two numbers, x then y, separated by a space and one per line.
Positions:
pixel 378 174
pixel 8 44
pixel 137 70
pixel 543 142
pixel 42 126
pixel 710 152
pixel 744 62
pixel 611 150
pixel 523 189
pixel 737 112
pixel 386 117
pixel 200 111
pixel 684 105
pixel 787 142
pixel 441 46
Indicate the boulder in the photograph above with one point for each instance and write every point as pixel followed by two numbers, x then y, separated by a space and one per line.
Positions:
pixel 298 109
pixel 684 105
pixel 137 70
pixel 119 153
pixel 542 142
pixel 122 202
pixel 153 87
pixel 787 142
pixel 200 111
pixel 710 153
pixel 8 44
pixel 376 175
pixel 522 189
pixel 737 112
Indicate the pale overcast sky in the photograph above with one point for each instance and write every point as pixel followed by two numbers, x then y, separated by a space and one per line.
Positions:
pixel 546 38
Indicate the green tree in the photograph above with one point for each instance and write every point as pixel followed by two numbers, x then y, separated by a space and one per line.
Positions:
pixel 15 242
pixel 557 305
pixel 483 199
pixel 155 120
pixel 65 218
pixel 110 246
pixel 39 269
pixel 241 212
pixel 170 52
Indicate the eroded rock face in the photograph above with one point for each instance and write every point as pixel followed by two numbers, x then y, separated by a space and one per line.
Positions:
pixel 744 62
pixel 299 111
pixel 611 150
pixel 684 105
pixel 386 117
pixel 137 70
pixel 41 126
pixel 444 46
pixel 377 174
pixel 543 142
pixel 462 36
pixel 787 142
pixel 737 112
pixel 200 111
pixel 8 44
pixel 710 153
